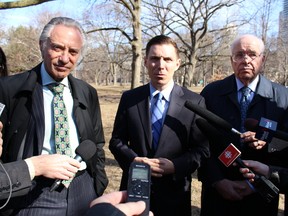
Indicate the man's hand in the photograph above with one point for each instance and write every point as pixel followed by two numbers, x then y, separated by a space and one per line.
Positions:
pixel 159 166
pixel 249 138
pixel 154 163
pixel 118 199
pixel 255 166
pixel 233 190
pixel 55 166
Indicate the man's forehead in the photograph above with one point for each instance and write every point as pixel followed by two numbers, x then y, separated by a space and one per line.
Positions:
pixel 247 47
pixel 163 50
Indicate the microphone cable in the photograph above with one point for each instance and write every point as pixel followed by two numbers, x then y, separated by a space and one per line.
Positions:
pixel 10 186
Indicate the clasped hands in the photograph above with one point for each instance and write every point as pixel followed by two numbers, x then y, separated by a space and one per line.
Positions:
pixel 159 166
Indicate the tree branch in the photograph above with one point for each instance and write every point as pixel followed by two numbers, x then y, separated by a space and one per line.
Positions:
pixel 108 29
pixel 21 4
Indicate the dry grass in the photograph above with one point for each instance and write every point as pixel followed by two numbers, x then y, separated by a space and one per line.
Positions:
pixel 109 99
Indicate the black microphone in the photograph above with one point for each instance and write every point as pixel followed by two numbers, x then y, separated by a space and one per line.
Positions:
pixel 84 151
pixel 211 117
pixel 214 135
pixel 253 125
pixel 262 185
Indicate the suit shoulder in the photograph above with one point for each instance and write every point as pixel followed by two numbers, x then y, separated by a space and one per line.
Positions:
pixel 81 84
pixel 136 91
pixel 15 78
pixel 213 85
pixel 280 88
pixel 189 92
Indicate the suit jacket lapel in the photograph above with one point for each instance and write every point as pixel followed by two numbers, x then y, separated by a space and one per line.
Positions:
pixel 175 106
pixel 144 113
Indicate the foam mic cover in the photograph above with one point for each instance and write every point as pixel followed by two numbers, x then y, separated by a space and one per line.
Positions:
pixel 85 150
pixel 210 132
pixel 210 117
pixel 251 124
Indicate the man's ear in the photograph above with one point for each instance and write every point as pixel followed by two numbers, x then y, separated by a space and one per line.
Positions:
pixel 178 63
pixel 145 60
pixel 41 46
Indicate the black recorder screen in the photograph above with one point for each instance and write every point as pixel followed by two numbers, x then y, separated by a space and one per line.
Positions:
pixel 139 173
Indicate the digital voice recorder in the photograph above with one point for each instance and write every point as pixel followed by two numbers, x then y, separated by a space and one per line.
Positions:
pixel 139 184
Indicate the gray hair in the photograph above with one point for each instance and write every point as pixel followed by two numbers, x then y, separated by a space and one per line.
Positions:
pixel 46 32
pixel 237 40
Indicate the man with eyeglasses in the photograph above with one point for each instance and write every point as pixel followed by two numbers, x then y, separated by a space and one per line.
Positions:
pixel 225 192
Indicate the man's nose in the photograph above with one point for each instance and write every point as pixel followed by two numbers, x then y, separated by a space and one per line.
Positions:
pixel 64 56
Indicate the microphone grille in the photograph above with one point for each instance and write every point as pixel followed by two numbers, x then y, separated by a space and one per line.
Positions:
pixel 86 149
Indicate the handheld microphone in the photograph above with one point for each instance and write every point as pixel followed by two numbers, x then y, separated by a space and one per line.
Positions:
pixel 230 154
pixel 84 151
pixel 253 125
pixel 211 117
pixel 262 185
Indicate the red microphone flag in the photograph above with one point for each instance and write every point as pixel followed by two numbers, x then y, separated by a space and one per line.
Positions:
pixel 229 155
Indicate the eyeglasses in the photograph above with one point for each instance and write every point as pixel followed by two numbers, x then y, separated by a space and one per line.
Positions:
pixel 240 56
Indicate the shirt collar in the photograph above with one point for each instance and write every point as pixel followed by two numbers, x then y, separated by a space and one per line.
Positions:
pixel 252 85
pixel 47 79
pixel 166 92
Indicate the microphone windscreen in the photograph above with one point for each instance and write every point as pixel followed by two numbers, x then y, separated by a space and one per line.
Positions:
pixel 86 149
pixel 214 136
pixel 209 116
pixel 251 124
pixel 210 132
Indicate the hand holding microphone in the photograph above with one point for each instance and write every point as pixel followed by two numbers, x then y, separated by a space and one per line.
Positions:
pixel 84 151
pixel 269 128
pixel 230 154
pixel 220 123
pixel 257 166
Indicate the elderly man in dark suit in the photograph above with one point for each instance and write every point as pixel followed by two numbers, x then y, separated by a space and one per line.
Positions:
pixel 29 131
pixel 224 190
pixel 181 145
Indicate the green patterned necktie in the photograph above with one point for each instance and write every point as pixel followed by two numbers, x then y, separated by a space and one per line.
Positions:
pixel 61 132
pixel 62 142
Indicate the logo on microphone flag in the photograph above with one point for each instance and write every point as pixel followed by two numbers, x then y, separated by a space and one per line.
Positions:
pixel 229 155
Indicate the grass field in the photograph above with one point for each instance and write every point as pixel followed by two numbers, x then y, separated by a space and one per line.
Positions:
pixel 109 99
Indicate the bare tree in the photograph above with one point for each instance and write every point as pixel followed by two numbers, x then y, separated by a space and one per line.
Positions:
pixel 21 49
pixel 132 9
pixel 189 22
pixel 21 4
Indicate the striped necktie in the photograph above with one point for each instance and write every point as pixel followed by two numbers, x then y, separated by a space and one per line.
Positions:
pixel 157 119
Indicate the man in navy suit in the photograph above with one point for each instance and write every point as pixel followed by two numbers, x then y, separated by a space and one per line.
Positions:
pixel 224 190
pixel 28 132
pixel 181 146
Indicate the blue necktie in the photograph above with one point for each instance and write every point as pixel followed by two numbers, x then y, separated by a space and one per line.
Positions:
pixel 244 103
pixel 157 118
